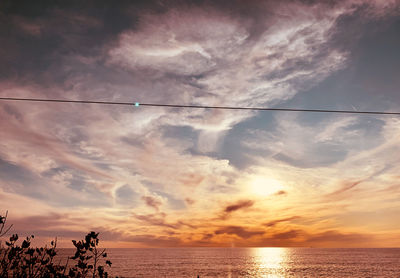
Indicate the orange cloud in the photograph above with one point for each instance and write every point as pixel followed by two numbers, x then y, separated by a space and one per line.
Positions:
pixel 238 231
pixel 276 221
pixel 152 202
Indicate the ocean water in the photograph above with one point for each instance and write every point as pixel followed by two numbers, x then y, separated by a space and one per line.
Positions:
pixel 255 262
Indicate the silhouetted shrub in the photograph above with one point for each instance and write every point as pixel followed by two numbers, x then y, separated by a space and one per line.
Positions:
pixel 26 261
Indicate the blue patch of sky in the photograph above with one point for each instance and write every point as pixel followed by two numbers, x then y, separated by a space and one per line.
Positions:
pixel 40 187
pixel 369 81
pixel 184 133
pixel 53 171
pixel 126 196
pixel 132 140
pixel 174 203
pixel 317 156
pixel 232 148
pixel 179 131
pixel 15 173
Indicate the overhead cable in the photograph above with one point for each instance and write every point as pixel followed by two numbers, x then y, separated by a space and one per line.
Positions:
pixel 137 104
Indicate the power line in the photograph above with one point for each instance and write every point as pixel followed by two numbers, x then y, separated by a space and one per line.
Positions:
pixel 200 106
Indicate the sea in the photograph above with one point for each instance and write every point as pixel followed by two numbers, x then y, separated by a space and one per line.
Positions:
pixel 254 262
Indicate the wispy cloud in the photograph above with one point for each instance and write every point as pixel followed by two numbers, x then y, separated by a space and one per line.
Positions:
pixel 241 232
pixel 189 173
pixel 277 221
pixel 239 205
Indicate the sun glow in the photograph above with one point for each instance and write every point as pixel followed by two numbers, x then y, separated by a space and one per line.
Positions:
pixel 270 261
pixel 265 186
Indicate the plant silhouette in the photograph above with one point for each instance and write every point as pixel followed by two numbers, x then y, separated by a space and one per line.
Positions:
pixel 27 262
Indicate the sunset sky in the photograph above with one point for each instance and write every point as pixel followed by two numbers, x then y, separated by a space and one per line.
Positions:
pixel 158 177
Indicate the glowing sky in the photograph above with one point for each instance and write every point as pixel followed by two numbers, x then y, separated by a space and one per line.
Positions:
pixel 156 177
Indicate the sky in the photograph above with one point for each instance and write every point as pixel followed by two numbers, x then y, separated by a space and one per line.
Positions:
pixel 179 177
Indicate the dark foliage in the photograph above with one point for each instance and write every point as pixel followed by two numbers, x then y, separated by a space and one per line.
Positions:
pixel 27 262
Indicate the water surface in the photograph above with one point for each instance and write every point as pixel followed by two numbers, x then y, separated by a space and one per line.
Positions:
pixel 255 262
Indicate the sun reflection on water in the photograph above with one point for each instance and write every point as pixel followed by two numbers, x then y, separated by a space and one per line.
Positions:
pixel 270 262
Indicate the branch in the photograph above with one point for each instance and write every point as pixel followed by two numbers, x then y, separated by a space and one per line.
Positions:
pixel 3 220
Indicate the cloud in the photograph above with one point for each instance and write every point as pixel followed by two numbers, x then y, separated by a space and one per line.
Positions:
pixel 345 187
pixel 152 202
pixel 239 231
pixel 289 235
pixel 224 63
pixel 191 179
pixel 281 192
pixel 12 172
pixel 304 238
pixel 190 201
pixel 239 205
pixel 338 238
pixel 185 162
pixel 277 221
pixel 159 219
pixel 155 241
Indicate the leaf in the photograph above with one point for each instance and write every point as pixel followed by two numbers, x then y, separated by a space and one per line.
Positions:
pixel 25 244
